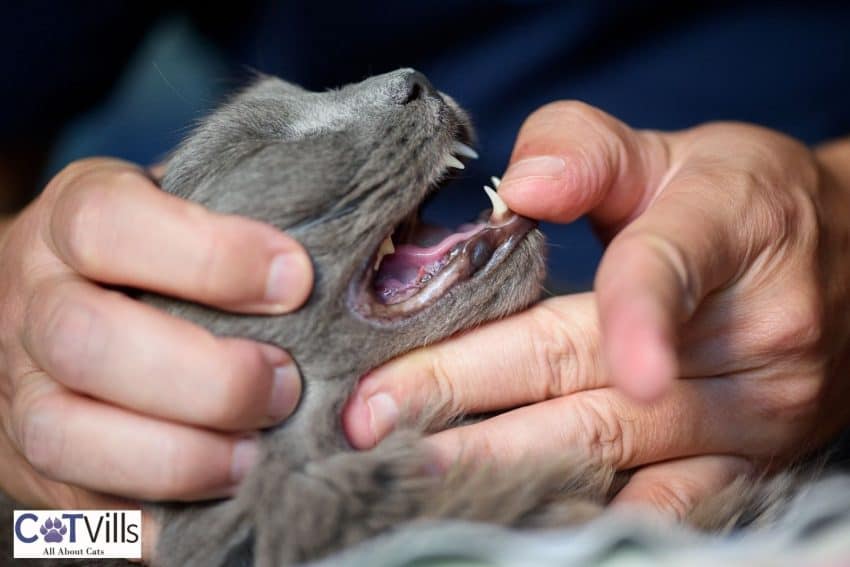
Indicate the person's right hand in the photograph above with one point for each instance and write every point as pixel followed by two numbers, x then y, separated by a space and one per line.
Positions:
pixel 101 394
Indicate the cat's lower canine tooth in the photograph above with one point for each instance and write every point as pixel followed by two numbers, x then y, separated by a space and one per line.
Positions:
pixel 500 209
pixel 496 182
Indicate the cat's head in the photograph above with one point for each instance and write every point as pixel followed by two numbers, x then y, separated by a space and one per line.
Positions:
pixel 345 172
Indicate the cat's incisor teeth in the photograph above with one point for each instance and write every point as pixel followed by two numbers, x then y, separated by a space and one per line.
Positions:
pixel 464 150
pixel 500 209
pixel 452 161
pixel 385 249
pixel 496 182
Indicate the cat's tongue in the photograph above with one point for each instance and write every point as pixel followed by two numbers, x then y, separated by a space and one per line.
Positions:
pixel 409 263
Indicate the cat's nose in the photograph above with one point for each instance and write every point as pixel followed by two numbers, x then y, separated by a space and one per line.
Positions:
pixel 417 86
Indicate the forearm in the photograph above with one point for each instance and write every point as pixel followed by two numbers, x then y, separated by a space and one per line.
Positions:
pixel 833 203
pixel 834 156
pixel 833 198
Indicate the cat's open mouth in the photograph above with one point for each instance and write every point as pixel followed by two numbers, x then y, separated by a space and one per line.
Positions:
pixel 417 263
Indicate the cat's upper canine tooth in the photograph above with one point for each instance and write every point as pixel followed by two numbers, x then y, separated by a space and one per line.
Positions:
pixel 500 209
pixel 452 161
pixel 464 150
pixel 385 249
pixel 496 182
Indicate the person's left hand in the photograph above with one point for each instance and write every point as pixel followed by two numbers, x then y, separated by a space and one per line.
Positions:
pixel 722 298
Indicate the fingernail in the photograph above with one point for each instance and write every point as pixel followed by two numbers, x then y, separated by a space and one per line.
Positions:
pixel 288 282
pixel 286 390
pixel 540 166
pixel 383 415
pixel 245 455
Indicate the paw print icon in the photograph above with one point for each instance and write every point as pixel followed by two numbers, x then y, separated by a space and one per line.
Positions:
pixel 52 530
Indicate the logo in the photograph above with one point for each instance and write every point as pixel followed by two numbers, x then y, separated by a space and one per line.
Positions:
pixel 53 530
pixel 77 533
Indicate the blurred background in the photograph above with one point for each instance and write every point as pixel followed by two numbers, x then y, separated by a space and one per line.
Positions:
pixel 128 79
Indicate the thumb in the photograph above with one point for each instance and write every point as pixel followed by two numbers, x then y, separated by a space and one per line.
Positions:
pixel 571 159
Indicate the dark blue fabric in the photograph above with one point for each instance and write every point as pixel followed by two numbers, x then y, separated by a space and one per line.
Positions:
pixel 662 65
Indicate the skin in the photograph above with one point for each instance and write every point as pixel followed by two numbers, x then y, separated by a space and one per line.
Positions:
pixel 75 358
pixel 714 341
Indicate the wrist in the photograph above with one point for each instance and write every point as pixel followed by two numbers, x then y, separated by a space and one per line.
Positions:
pixel 833 195
pixel 834 159
pixel 833 209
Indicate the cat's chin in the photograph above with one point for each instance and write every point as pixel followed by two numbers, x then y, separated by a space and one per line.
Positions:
pixel 417 263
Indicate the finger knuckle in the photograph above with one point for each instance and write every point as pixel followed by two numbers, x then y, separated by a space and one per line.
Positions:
pixel 76 226
pixel 661 254
pixel 672 257
pixel 69 176
pixel 778 215
pixel 448 404
pixel 233 399
pixel 790 400
pixel 207 268
pixel 559 356
pixel 773 209
pixel 67 333
pixel 674 497
pixel 41 438
pixel 794 326
pixel 490 449
pixel 601 430
pixel 174 474
pixel 604 145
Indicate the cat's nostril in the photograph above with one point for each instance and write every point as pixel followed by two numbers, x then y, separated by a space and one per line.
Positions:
pixel 418 86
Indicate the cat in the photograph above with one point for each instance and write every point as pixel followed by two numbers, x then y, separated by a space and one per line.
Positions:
pixel 345 172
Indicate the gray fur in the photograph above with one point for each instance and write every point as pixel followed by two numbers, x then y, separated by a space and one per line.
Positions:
pixel 337 170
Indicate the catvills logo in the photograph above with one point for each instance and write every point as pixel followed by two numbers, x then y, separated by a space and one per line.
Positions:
pixel 77 533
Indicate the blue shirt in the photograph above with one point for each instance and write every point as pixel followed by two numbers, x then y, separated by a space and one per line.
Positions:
pixel 660 65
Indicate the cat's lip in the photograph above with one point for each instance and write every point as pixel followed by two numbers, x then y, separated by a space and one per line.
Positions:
pixel 416 264
pixel 403 279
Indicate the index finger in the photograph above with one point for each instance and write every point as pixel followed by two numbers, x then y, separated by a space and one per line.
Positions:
pixel 112 224
pixel 547 351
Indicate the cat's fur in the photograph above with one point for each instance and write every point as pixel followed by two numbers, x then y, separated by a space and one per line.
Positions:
pixel 337 170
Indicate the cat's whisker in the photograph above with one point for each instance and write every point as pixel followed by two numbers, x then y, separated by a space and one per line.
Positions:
pixel 464 150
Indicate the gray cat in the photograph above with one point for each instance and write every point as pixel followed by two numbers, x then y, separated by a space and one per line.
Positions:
pixel 345 172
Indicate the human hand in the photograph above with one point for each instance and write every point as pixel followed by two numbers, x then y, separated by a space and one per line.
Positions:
pixel 721 298
pixel 103 395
